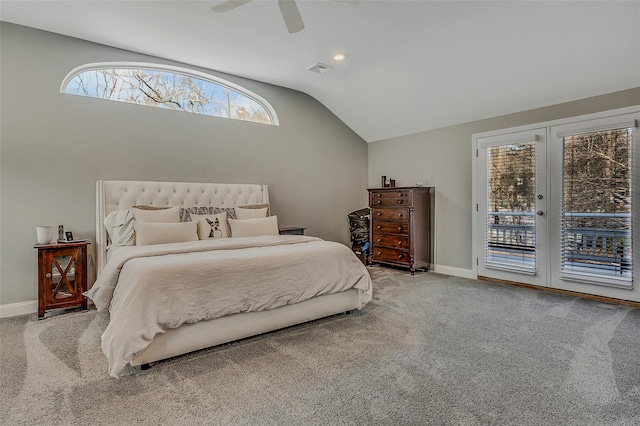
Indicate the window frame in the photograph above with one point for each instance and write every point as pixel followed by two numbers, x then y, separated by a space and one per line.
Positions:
pixel 175 70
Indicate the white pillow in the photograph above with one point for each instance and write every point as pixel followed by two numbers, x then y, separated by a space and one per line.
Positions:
pixel 148 233
pixel 254 227
pixel 211 226
pixel 170 215
pixel 119 226
pixel 242 214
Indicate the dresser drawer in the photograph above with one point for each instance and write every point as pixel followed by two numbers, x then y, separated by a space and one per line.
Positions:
pixel 401 228
pixel 383 254
pixel 390 198
pixel 393 241
pixel 399 213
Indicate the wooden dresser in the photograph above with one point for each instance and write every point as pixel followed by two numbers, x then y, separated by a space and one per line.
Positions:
pixel 400 231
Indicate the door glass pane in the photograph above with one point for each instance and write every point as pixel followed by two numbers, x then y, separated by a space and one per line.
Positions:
pixel 596 204
pixel 63 277
pixel 510 226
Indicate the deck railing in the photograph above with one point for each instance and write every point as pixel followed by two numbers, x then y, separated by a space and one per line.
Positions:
pixel 586 247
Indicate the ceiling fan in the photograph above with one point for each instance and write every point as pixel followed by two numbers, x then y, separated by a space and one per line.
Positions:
pixel 288 9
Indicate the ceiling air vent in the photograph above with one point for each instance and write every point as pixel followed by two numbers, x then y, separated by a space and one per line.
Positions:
pixel 320 68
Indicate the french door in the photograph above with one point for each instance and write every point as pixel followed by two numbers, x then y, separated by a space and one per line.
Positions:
pixel 511 209
pixel 593 179
pixel 555 205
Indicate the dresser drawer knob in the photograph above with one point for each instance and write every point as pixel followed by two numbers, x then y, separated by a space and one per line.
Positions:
pixel 380 227
pixel 400 201
pixel 48 275
pixel 399 214
pixel 399 243
pixel 400 256
pixel 379 239
pixel 378 195
pixel 399 228
pixel 379 201
pixel 378 214
pixel 379 253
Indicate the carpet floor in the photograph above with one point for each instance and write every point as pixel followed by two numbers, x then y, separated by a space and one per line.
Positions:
pixel 428 349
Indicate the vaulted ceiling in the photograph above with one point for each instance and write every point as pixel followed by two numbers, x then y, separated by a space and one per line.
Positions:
pixel 411 65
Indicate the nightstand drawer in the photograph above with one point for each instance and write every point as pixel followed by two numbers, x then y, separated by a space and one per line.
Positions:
pixel 399 214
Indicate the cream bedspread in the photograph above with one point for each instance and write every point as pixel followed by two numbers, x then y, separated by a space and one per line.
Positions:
pixel 149 289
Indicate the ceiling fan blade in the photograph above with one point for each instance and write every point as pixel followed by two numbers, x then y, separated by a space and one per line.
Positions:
pixel 291 15
pixel 229 5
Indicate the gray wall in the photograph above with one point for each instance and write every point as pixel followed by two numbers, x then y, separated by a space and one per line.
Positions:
pixel 54 147
pixel 444 156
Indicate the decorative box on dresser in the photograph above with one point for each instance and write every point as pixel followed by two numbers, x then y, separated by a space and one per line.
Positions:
pixel 400 231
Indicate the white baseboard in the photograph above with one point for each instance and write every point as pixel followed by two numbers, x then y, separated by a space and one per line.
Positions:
pixel 456 272
pixel 20 308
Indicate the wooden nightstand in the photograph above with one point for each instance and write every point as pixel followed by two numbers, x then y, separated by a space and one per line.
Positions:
pixel 291 230
pixel 62 275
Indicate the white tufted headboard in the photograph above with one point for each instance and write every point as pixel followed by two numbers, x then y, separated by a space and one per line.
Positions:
pixel 114 195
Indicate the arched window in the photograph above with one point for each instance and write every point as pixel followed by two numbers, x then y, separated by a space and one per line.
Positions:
pixel 168 87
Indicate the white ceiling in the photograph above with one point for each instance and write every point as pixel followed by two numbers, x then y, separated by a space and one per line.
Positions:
pixel 412 65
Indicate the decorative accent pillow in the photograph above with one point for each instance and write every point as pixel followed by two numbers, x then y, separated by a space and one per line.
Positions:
pixel 254 206
pixel 250 213
pixel 168 215
pixel 211 226
pixel 254 227
pixel 185 213
pixel 119 226
pixel 148 233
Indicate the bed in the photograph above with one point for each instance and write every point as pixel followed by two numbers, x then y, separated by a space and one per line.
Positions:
pixel 170 298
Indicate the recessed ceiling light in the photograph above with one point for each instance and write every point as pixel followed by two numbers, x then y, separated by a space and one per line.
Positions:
pixel 340 56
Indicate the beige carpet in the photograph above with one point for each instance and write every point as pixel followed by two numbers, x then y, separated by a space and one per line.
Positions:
pixel 429 349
